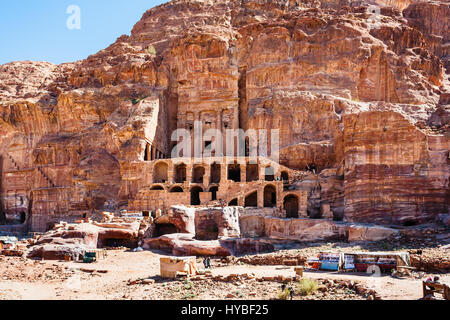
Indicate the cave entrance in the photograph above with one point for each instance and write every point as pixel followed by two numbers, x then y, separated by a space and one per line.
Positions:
pixel 252 172
pixel 214 191
pixel 23 217
pixel 252 200
pixel 198 173
pixel 162 229
pixel 234 172
pixel 410 223
pixel 180 173
pixel 270 196
pixel 290 205
pixel 195 196
pixel 116 243
pixel 215 173
pixel 160 172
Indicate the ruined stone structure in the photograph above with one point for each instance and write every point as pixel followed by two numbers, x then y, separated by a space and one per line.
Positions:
pixel 362 112
pixel 237 181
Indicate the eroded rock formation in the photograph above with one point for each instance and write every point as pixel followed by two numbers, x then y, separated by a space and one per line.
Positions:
pixel 363 105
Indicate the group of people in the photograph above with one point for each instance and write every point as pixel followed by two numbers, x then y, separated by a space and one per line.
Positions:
pixel 434 280
pixel 207 263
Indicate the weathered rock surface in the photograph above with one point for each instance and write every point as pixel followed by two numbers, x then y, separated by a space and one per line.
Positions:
pixel 75 239
pixel 186 245
pixel 304 229
pixel 368 106
pixel 369 233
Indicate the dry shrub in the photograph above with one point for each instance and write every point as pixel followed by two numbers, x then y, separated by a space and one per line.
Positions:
pixel 283 294
pixel 305 287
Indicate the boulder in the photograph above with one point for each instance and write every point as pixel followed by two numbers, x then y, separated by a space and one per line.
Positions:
pixel 369 233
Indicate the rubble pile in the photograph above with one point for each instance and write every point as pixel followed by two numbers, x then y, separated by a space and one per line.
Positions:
pixel 284 259
pixel 432 260
pixel 249 286
pixel 21 269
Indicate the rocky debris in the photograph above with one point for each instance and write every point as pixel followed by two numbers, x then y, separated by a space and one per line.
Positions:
pixel 141 281
pixel 283 259
pixel 21 269
pixel 247 286
pixel 432 261
pixel 75 239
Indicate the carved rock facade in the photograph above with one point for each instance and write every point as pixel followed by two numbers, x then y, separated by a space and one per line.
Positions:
pixel 362 112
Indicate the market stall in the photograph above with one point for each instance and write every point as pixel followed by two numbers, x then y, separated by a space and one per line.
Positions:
pixel 359 261
pixel 330 261
pixel 385 261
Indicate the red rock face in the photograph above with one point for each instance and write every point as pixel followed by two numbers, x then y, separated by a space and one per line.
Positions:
pixel 369 107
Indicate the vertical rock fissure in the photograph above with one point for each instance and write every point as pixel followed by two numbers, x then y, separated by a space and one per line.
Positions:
pixel 2 214
pixel 243 108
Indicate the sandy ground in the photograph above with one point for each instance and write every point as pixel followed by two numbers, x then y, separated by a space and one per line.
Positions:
pixel 53 280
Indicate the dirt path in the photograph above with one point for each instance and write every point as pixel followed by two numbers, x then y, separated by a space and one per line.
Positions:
pixel 110 279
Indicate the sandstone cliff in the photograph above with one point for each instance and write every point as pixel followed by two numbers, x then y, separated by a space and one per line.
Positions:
pixel 367 104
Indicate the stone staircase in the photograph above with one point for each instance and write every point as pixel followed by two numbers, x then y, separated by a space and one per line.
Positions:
pixel 16 166
pixel 46 177
pixel 40 170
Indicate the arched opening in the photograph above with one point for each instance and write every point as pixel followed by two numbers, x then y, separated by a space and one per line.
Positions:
pixel 215 173
pixel 180 173
pixel 214 191
pixel 252 200
pixel 234 172
pixel 197 174
pixel 195 196
pixel 163 229
pixel 160 172
pixel 176 189
pixel 252 172
pixel 270 196
pixel 269 174
pixel 157 188
pixel 233 202
pixel 290 205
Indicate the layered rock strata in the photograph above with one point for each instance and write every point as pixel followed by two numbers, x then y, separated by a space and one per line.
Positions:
pixel 361 98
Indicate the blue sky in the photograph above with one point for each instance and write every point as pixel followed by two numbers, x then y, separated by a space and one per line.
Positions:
pixel 37 29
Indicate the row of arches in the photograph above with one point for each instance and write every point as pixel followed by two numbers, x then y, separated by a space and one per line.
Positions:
pixel 290 202
pixel 161 173
pixel 195 192
pixel 270 198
